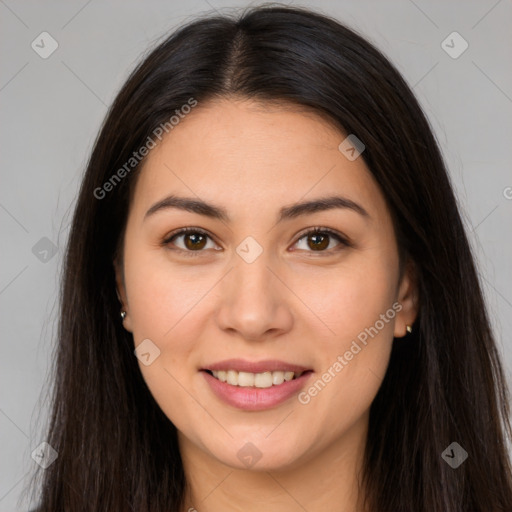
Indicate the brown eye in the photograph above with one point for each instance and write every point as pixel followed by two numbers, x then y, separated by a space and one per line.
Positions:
pixel 194 241
pixel 319 240
pixel 189 240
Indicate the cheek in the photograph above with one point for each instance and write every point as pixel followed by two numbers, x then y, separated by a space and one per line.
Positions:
pixel 352 297
pixel 160 294
pixel 165 308
pixel 357 303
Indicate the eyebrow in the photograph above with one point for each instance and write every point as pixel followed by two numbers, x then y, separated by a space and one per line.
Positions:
pixel 212 211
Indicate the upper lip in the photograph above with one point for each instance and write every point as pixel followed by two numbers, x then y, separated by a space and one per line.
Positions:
pixel 268 365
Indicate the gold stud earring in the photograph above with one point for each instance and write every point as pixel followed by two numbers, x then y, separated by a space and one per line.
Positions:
pixel 409 329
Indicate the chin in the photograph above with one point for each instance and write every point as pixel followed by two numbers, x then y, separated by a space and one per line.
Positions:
pixel 254 456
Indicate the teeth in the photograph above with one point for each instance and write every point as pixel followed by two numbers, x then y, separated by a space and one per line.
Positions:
pixel 245 379
pixel 277 378
pixel 288 375
pixel 259 380
pixel 263 380
pixel 232 377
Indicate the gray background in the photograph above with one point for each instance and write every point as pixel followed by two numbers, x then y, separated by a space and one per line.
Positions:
pixel 52 108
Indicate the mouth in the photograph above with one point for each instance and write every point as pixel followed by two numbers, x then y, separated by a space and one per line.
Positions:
pixel 263 390
pixel 255 385
pixel 262 380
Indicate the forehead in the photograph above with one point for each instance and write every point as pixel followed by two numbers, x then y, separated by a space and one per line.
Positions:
pixel 245 154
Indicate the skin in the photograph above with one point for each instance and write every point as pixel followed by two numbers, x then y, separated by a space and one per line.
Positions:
pixel 294 302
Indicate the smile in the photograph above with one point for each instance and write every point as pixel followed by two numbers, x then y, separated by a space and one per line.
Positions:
pixel 255 391
pixel 265 379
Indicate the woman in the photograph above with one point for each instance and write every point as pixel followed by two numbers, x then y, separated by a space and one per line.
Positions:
pixel 269 301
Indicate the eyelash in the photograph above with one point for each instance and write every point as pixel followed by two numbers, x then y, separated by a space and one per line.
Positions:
pixel 317 230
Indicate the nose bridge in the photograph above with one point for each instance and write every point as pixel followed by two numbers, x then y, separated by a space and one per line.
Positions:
pixel 251 284
pixel 253 278
pixel 252 302
pixel 251 273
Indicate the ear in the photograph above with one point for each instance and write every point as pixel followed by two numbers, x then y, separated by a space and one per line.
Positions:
pixel 121 293
pixel 408 299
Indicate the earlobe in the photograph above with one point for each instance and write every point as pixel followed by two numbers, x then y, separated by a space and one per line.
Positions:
pixel 408 299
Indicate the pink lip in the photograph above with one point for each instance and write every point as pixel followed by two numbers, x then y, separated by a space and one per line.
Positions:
pixel 255 399
pixel 269 365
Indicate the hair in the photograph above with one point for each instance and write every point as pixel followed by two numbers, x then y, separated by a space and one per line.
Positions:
pixel 116 448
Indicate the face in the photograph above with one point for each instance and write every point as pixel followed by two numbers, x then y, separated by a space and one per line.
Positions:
pixel 252 287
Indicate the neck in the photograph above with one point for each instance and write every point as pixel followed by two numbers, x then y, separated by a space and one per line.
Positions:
pixel 327 479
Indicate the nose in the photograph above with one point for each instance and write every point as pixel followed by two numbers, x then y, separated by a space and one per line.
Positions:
pixel 255 304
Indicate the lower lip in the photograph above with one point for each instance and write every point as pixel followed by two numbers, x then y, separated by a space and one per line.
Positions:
pixel 255 399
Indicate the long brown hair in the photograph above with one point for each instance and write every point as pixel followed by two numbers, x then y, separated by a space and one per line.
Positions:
pixel 116 449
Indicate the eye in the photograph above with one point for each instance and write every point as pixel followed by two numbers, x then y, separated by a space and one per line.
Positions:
pixel 194 240
pixel 319 239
